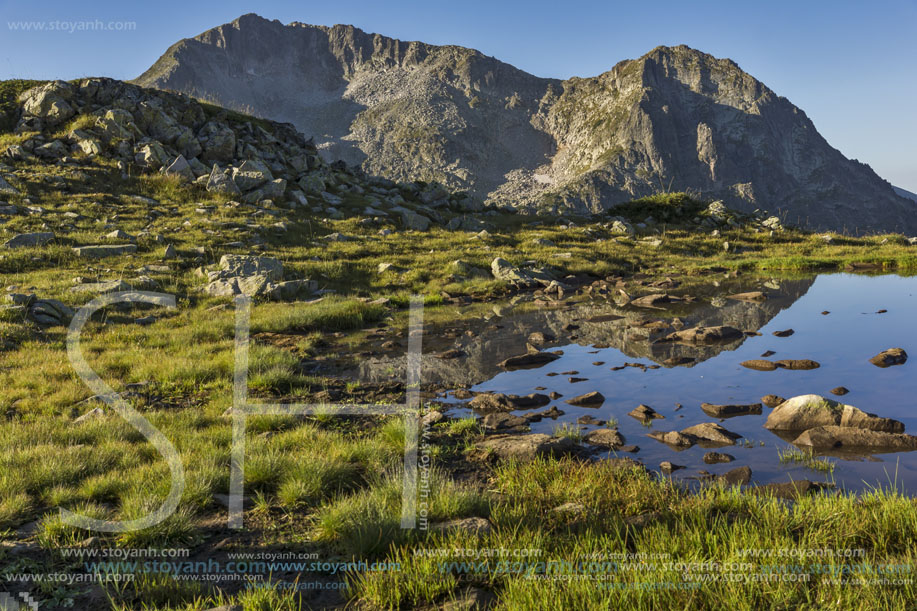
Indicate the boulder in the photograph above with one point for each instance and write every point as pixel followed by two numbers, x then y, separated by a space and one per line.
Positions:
pixel 29 240
pixel 50 312
pixel 6 188
pixel 527 447
pixel 103 250
pixel 605 438
pixel 414 221
pixel 251 175
pixel 525 361
pixel 709 433
pixel 181 168
pixel 887 358
pixel 48 102
pixel 501 269
pixel 219 182
pixel 249 265
pixel 500 402
pixel 590 399
pixel 218 142
pixel 809 411
pixel 729 411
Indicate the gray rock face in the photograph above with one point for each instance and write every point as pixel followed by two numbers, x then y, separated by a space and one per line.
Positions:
pixel 410 110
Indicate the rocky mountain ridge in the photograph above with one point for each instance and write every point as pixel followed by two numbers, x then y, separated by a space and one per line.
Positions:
pixel 674 119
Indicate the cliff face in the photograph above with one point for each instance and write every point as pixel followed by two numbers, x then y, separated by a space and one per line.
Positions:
pixel 674 119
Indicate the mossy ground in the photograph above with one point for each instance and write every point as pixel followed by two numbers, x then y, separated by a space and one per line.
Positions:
pixel 331 485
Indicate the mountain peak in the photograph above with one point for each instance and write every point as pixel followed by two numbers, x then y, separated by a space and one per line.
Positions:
pixel 675 118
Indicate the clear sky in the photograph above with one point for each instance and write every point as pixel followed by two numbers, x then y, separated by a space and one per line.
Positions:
pixel 852 66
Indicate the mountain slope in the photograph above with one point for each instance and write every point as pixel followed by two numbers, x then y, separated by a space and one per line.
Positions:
pixel 675 119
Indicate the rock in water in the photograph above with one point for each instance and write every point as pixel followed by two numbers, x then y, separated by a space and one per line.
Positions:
pixel 809 411
pixel 887 358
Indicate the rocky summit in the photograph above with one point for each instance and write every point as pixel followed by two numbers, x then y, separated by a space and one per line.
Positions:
pixel 675 119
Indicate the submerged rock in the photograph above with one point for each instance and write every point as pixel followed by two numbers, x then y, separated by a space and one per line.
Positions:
pixel 855 439
pixel 759 365
pixel 728 411
pixel 798 364
pixel 590 399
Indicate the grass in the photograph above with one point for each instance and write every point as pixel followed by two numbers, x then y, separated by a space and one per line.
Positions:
pixel 334 484
pixel 806 458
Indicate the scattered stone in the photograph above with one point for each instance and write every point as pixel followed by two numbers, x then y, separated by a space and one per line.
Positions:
pixel 644 413
pixel 527 447
pixel 784 333
pixel 711 433
pixel 587 419
pixel 503 420
pixel 499 402
pixel 840 391
pixel 673 438
pixel 668 467
pixel 606 438
pixel 729 411
pixel 809 411
pixel 713 458
pixel 102 251
pixel 29 240
pixel 591 399
pixel 798 364
pixel 768 353
pixel 759 365
pixel 772 400
pixel 50 312
pixel 887 358
pixel 735 477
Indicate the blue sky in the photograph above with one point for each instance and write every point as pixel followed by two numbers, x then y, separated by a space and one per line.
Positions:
pixel 851 66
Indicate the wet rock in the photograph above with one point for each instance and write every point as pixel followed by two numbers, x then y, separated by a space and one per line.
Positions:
pixel 590 420
pixel 629 448
pixel 887 358
pixel 527 447
pixel 552 413
pixel 809 411
pixel 644 413
pixel 668 467
pixel 503 420
pixel 729 411
pixel 704 335
pixel 713 458
pixel 673 438
pixel 768 353
pixel 711 433
pixel 606 438
pixel 784 333
pixel 555 395
pixel 499 402
pixel 772 400
pixel 759 365
pixel 798 364
pixel 736 477
pixel 840 391
pixel 532 359
pixel 462 393
pixel 855 439
pixel 29 240
pixel 590 399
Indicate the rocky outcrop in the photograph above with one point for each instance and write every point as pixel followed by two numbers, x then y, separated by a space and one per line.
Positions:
pixel 409 110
